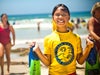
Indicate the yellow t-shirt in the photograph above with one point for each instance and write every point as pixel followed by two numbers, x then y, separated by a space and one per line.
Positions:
pixel 69 24
pixel 63 48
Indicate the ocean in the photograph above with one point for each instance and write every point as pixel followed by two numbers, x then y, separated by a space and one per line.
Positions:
pixel 26 26
pixel 47 15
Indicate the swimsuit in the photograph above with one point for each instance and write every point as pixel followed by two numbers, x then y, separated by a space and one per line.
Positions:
pixel 4 35
pixel 97 31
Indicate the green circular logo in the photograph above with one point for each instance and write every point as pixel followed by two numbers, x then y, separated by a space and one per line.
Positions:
pixel 64 53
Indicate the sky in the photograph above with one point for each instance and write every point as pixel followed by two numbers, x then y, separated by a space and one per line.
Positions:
pixel 16 7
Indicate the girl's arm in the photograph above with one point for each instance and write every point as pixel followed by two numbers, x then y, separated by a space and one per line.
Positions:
pixel 83 56
pixel 13 35
pixel 91 29
pixel 44 58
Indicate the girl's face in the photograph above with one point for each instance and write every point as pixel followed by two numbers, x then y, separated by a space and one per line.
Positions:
pixel 61 17
pixel 97 13
pixel 4 18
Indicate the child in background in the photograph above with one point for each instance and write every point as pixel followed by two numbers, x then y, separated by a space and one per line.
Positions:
pixel 94 27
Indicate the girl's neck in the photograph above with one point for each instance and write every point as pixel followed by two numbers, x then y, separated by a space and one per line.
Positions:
pixel 63 30
pixel 4 25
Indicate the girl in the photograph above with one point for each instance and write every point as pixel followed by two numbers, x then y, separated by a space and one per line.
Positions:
pixel 62 48
pixel 5 41
pixel 94 30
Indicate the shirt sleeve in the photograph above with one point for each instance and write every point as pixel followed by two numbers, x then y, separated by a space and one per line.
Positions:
pixel 79 46
pixel 47 48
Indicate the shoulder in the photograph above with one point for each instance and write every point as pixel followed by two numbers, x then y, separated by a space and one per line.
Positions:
pixel 77 36
pixel 92 19
pixel 10 27
pixel 70 24
pixel 51 36
pixel 91 22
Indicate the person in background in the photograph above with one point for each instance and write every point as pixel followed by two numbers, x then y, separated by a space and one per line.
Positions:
pixel 77 23
pixel 94 26
pixel 38 25
pixel 5 42
pixel 62 48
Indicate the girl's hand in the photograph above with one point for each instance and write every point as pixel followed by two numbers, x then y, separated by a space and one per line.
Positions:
pixel 13 44
pixel 35 46
pixel 89 43
pixel 32 44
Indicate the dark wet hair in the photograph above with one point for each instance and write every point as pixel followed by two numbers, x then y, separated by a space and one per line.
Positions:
pixel 64 8
pixel 7 16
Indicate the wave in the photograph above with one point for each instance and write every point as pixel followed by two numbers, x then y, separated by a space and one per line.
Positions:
pixel 44 23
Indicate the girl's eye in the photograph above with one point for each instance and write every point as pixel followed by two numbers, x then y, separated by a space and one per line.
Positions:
pixel 63 15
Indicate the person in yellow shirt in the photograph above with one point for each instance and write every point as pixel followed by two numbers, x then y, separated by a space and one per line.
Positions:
pixel 62 48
